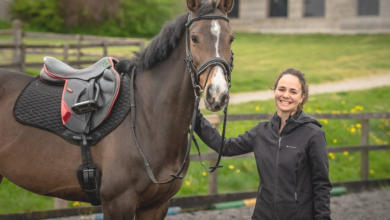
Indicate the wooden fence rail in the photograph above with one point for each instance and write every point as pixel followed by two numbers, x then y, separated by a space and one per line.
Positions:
pixel 364 148
pixel 20 49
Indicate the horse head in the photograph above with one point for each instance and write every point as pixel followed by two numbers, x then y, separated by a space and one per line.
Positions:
pixel 209 40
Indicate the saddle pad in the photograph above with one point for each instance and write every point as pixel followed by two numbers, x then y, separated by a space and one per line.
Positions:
pixel 39 105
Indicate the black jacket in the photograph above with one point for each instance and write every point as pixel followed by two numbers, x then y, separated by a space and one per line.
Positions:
pixel 292 165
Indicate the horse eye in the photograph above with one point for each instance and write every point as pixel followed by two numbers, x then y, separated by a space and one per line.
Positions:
pixel 194 39
pixel 231 39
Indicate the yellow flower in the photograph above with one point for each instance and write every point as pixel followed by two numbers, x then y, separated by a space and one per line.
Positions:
pixel 381 126
pixel 335 112
pixel 238 170
pixel 76 203
pixel 372 171
pixel 343 102
pixel 308 109
pixel 318 111
pixel 231 167
pixel 353 130
pixel 353 110
pixel 257 108
pixel 334 141
pixel 188 183
pixel 345 152
pixel 204 173
pixel 358 125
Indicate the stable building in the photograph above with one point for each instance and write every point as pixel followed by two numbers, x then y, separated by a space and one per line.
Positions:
pixel 311 16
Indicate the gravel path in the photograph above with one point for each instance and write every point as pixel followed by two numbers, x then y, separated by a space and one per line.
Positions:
pixel 374 205
pixel 341 86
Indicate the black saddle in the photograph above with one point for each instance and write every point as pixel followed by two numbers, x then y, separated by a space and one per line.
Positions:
pixel 88 94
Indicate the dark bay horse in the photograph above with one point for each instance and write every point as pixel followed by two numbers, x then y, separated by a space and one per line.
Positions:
pixel 44 163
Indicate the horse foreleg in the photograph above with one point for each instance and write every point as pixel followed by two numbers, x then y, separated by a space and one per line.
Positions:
pixel 121 208
pixel 156 212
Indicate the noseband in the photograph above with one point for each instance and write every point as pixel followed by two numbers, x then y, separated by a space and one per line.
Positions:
pixel 216 61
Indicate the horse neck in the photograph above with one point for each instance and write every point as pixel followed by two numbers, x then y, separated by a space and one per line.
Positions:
pixel 165 98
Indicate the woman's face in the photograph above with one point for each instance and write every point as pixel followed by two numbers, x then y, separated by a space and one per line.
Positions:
pixel 288 94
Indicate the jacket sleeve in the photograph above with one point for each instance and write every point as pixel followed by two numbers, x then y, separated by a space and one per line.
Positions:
pixel 320 176
pixel 232 146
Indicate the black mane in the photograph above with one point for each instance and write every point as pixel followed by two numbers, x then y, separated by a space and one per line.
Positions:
pixel 163 44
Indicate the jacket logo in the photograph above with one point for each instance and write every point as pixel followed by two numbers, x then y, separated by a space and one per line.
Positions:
pixel 291 146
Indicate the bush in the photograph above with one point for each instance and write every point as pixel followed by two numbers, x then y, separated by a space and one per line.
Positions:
pixel 126 18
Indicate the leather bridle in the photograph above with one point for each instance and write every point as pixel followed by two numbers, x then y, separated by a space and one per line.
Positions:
pixel 216 61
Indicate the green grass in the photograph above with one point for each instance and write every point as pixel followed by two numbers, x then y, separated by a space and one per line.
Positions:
pixel 259 58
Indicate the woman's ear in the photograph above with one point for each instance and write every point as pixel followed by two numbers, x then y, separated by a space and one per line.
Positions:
pixel 193 5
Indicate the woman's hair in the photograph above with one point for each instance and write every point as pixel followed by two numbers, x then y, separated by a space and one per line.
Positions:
pixel 302 80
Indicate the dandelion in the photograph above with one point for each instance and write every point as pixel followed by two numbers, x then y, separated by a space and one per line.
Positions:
pixel 353 130
pixel 238 170
pixel 204 173
pixel 345 153
pixel 332 156
pixel 308 109
pixel 343 102
pixel 76 203
pixel 188 183
pixel 353 110
pixel 231 167
pixel 358 125
pixel 372 171
pixel 318 111
pixel 358 107
pixel 334 141
pixel 257 108
pixel 335 112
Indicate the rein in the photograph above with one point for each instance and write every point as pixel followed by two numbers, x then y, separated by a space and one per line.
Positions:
pixel 190 65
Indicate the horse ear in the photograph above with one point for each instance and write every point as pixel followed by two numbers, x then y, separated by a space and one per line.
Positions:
pixel 193 5
pixel 227 5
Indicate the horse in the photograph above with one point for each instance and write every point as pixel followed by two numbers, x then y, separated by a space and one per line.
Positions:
pixel 44 163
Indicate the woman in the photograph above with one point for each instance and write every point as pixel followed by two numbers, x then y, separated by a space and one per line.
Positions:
pixel 290 152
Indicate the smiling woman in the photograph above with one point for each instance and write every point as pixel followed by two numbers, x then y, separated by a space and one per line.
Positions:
pixel 290 152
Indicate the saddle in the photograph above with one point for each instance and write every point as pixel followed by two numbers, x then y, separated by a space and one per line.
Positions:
pixel 80 105
pixel 88 94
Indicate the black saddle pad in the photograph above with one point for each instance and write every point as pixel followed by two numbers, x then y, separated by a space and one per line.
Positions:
pixel 39 105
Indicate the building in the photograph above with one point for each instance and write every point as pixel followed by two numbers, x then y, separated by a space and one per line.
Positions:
pixel 311 16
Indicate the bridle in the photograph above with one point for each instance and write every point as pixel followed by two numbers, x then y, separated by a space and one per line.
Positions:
pixel 216 61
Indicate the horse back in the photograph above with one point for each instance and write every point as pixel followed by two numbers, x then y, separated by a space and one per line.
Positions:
pixel 12 84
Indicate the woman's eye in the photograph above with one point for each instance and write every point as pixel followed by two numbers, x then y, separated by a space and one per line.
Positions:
pixel 194 39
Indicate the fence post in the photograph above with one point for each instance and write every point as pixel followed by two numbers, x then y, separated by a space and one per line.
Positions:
pixel 104 48
pixel 364 154
pixel 213 177
pixel 65 53
pixel 17 41
pixel 60 203
pixel 78 54
pixel 22 57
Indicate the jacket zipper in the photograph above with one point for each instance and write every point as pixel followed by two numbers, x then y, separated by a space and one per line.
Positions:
pixel 276 175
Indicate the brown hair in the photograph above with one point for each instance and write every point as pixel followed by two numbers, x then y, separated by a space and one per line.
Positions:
pixel 302 80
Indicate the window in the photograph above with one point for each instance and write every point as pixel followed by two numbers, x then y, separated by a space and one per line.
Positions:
pixel 368 7
pixel 314 8
pixel 278 8
pixel 234 12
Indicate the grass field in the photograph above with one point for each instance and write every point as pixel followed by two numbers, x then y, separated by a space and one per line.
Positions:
pixel 260 57
pixel 258 60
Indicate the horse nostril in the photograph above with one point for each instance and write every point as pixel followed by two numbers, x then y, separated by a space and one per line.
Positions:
pixel 209 95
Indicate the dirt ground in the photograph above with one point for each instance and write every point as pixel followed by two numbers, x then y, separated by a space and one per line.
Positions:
pixel 374 205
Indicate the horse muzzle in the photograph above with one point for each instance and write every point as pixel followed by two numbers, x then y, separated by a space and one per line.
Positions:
pixel 216 98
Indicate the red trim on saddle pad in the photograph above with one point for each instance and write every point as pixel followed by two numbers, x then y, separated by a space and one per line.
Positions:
pixel 119 84
pixel 65 112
